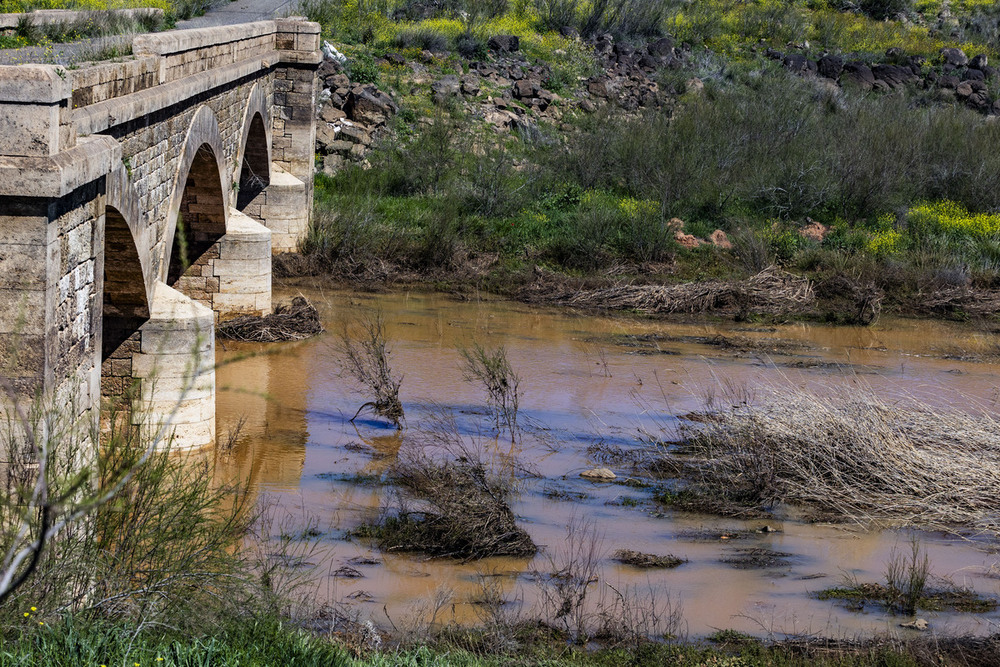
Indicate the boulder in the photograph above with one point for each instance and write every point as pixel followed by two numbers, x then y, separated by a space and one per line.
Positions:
pixel 979 62
pixel 830 66
pixel 395 59
pixel 355 134
pixel 954 56
pixel 470 85
pixel 623 49
pixel 687 240
pixel 369 105
pixel 504 43
pixel 963 90
pixel 916 624
pixel 339 146
pixel 796 62
pixel 894 76
pixel 330 114
pixel 649 62
pixel 719 239
pixel 857 74
pixel 948 81
pixel 588 106
pixel 598 474
pixel 814 231
pixel 525 88
pixel 444 88
pixel 332 164
pixel 601 87
pixel 337 80
pixel 973 75
pixel 661 47
pixel 326 134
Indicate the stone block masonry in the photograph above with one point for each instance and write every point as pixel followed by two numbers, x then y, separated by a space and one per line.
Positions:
pixel 124 237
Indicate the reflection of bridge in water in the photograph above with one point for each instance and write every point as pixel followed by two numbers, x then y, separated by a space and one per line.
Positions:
pixel 140 201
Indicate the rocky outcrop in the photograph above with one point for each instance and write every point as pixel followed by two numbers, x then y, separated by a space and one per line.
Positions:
pixel 350 116
pixel 963 79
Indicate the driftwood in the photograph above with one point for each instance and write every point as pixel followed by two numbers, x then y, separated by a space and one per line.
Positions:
pixel 771 291
pixel 295 321
pixel 967 300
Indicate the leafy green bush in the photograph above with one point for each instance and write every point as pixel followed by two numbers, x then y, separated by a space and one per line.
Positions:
pixel 362 68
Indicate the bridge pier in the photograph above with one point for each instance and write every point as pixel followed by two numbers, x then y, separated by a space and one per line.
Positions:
pixel 203 140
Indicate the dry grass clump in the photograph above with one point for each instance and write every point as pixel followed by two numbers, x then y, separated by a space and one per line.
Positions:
pixel 854 455
pixel 288 322
pixel 454 502
pixel 770 291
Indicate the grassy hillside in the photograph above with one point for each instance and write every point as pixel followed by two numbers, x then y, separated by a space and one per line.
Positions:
pixel 883 185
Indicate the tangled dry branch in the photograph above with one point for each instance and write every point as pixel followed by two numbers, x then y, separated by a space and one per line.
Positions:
pixel 456 500
pixel 857 456
pixel 296 321
pixel 771 291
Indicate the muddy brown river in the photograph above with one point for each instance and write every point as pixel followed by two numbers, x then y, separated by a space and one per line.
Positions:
pixel 590 384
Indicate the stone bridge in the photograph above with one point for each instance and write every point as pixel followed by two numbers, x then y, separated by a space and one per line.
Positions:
pixel 140 202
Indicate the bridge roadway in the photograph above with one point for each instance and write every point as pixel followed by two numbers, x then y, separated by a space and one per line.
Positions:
pixel 140 202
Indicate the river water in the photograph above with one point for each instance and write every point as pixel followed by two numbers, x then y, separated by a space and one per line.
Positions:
pixel 590 384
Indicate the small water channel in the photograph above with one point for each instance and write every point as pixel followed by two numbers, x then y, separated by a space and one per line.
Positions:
pixel 590 384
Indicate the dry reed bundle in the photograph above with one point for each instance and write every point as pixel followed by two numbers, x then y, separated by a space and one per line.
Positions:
pixel 772 291
pixel 967 300
pixel 856 456
pixel 296 321
pixel 456 501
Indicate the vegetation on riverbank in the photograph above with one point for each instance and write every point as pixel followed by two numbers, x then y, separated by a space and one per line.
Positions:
pixel 266 642
pixel 878 198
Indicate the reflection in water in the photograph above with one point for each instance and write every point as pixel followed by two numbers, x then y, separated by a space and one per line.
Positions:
pixel 261 401
pixel 591 384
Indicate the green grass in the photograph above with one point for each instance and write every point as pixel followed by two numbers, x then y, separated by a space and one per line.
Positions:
pixel 251 642
pixel 267 642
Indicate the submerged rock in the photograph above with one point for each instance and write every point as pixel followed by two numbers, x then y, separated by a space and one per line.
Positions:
pixel 598 474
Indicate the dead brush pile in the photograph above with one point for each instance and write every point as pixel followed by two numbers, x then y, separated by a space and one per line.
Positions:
pixel 454 502
pixel 855 456
pixel 771 291
pixel 296 321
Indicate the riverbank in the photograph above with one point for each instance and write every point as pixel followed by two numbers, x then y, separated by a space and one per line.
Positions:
pixel 534 153
pixel 269 641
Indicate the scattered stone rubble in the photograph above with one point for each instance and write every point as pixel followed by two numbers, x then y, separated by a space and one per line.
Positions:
pixel 353 116
pixel 956 77
pixel 512 94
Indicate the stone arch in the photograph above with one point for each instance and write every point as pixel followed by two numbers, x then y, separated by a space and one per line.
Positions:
pixel 253 159
pixel 122 197
pixel 125 297
pixel 198 213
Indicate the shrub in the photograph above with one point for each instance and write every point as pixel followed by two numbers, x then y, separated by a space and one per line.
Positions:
pixel 556 14
pixel 884 9
pixel 362 68
pixel 470 46
pixel 420 38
